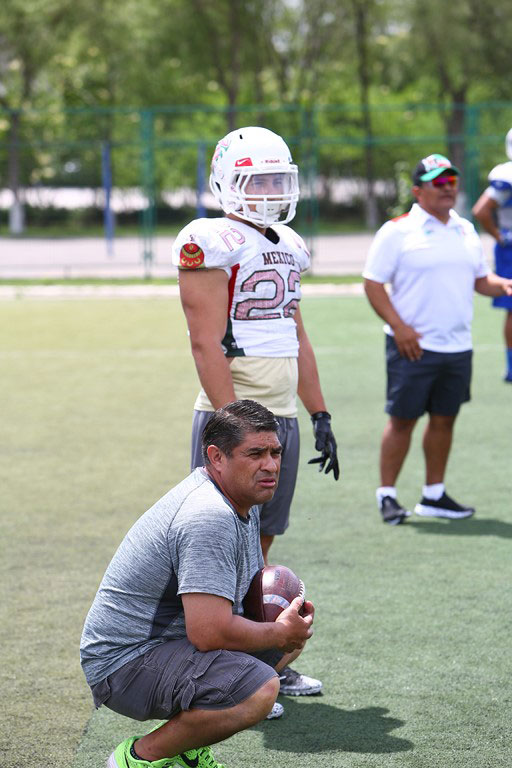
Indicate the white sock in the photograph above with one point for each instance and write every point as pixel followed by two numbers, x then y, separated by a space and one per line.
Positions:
pixel 385 490
pixel 434 491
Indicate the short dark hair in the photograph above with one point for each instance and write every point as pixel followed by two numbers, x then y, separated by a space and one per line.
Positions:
pixel 229 425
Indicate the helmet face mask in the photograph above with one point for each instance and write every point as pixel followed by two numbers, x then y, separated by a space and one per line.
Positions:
pixel 253 177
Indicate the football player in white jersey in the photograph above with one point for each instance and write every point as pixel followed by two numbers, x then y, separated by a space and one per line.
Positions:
pixel 240 290
pixel 494 212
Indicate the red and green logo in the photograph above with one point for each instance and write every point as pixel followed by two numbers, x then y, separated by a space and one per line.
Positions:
pixel 191 256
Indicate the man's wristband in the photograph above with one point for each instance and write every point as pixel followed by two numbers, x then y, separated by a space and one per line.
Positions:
pixel 319 414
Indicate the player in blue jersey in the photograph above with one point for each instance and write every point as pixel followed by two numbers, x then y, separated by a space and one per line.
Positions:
pixel 493 210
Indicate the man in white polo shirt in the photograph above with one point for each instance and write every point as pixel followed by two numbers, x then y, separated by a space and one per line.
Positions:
pixel 433 260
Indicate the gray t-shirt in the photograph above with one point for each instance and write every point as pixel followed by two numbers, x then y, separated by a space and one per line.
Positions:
pixel 191 540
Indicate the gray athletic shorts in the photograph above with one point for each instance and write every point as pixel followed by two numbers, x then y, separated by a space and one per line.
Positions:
pixel 275 514
pixel 439 382
pixel 175 676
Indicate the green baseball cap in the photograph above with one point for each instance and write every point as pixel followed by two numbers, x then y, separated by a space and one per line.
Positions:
pixel 432 166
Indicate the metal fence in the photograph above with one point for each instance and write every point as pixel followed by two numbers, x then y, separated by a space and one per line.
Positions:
pixel 150 166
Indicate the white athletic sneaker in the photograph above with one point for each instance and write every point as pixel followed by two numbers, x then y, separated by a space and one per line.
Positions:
pixel 443 507
pixel 276 711
pixel 295 684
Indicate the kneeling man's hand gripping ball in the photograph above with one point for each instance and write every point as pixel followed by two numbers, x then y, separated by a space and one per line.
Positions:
pixel 271 591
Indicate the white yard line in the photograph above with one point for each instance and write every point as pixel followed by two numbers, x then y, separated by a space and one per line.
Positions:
pixel 53 292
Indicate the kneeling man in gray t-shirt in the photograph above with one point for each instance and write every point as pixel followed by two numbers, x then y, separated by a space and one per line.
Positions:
pixel 165 636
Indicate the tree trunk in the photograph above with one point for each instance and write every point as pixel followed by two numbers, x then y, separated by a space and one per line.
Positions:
pixel 370 202
pixel 455 130
pixel 232 77
pixel 455 122
pixel 16 212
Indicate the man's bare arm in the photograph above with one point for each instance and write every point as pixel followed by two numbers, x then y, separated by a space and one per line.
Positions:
pixel 493 285
pixel 309 389
pixel 483 211
pixel 211 625
pixel 310 392
pixel 204 297
pixel 405 336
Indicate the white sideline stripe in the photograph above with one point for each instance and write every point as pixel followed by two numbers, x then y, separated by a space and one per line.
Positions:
pixel 52 292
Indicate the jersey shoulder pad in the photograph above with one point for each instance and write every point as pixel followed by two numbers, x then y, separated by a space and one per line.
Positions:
pixel 501 177
pixel 200 245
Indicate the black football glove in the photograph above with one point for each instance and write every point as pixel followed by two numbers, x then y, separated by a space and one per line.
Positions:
pixel 325 442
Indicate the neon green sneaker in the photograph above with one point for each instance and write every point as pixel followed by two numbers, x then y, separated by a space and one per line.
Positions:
pixel 204 757
pixel 192 758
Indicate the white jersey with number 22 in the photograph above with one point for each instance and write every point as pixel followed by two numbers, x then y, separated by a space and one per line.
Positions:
pixel 264 281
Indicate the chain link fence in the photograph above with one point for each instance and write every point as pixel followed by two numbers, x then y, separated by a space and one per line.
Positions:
pixel 145 171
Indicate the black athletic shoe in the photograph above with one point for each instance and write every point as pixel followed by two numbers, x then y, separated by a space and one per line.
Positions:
pixel 443 507
pixel 392 512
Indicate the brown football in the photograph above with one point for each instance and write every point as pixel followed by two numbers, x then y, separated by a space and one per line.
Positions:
pixel 271 591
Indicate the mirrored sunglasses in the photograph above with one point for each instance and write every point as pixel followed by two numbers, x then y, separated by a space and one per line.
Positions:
pixel 441 181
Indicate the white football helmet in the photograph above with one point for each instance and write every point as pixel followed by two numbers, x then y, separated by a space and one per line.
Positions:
pixel 508 144
pixel 253 176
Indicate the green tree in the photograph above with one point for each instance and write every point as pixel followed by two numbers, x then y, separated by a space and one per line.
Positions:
pixel 30 33
pixel 453 54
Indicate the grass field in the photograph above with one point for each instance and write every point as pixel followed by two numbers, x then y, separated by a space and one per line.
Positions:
pixel 413 623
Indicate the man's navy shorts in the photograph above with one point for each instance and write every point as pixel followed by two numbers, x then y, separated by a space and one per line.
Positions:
pixel 439 382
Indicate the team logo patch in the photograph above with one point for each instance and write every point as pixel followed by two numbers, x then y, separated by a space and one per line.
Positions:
pixel 435 161
pixel 220 149
pixel 191 256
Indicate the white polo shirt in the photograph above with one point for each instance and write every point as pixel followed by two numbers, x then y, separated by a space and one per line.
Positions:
pixel 431 268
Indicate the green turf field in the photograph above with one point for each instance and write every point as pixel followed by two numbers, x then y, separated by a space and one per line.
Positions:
pixel 413 623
